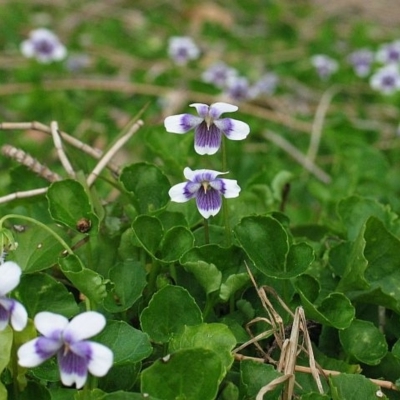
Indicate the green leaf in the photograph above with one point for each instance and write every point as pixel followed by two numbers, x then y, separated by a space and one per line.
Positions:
pixel 355 211
pixel 352 387
pixel 70 205
pixel 120 377
pixel 334 310
pixel 40 292
pixel 267 244
pixel 149 232
pixel 128 344
pixel 214 336
pixel 207 275
pixel 148 185
pixel 90 283
pixel 176 242
pixel 6 340
pixel 190 374
pixel 232 284
pixel 34 390
pixel 129 279
pixel 37 248
pixel 363 341
pixel 169 310
pixel 255 375
pixel 382 251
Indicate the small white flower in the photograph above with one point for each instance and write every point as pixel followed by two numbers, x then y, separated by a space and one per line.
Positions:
pixel 182 49
pixel 205 186
pixel 218 74
pixel 386 79
pixel 361 61
pixel 43 45
pixel 208 126
pixel 238 88
pixel 76 356
pixel 324 65
pixel 389 53
pixel 11 310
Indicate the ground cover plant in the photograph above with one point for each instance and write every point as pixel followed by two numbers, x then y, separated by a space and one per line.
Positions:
pixel 199 200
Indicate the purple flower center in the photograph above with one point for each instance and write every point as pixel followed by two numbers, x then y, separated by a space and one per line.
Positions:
pixel 44 47
pixel 388 81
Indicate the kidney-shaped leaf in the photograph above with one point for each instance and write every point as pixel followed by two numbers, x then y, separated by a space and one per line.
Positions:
pixel 185 374
pixel 70 205
pixel 364 341
pixel 267 244
pixel 169 310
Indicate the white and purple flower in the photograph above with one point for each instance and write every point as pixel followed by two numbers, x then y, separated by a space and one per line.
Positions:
pixel 75 355
pixel 238 88
pixel 361 60
pixel 205 186
pixel 324 65
pixel 218 74
pixel 182 49
pixel 43 45
pixel 11 310
pixel 386 79
pixel 208 126
pixel 389 53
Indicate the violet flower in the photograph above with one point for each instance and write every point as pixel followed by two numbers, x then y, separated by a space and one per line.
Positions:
pixel 75 355
pixel 238 88
pixel 208 126
pixel 324 65
pixel 206 188
pixel 386 79
pixel 43 45
pixel 389 53
pixel 11 310
pixel 218 74
pixel 361 60
pixel 182 49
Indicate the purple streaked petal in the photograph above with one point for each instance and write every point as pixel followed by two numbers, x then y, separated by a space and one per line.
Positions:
pixel 19 316
pixel 181 123
pixel 183 192
pixel 219 108
pixel 208 202
pixel 202 109
pixel 232 128
pixel 50 325
pixel 207 140
pixel 10 274
pixel 36 351
pixel 73 368
pixel 101 360
pixel 83 326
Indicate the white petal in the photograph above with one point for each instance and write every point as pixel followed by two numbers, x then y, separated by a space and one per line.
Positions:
pixel 194 175
pixel 219 108
pixel 28 356
pixel 19 316
pixel 181 123
pixel 84 325
pixel 231 188
pixel 47 323
pixel 101 360
pixel 27 49
pixel 68 379
pixel 177 193
pixel 203 150
pixel 10 274
pixel 232 128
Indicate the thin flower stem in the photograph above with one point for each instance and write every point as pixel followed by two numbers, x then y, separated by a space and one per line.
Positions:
pixel 45 227
pixel 206 232
pixel 224 203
